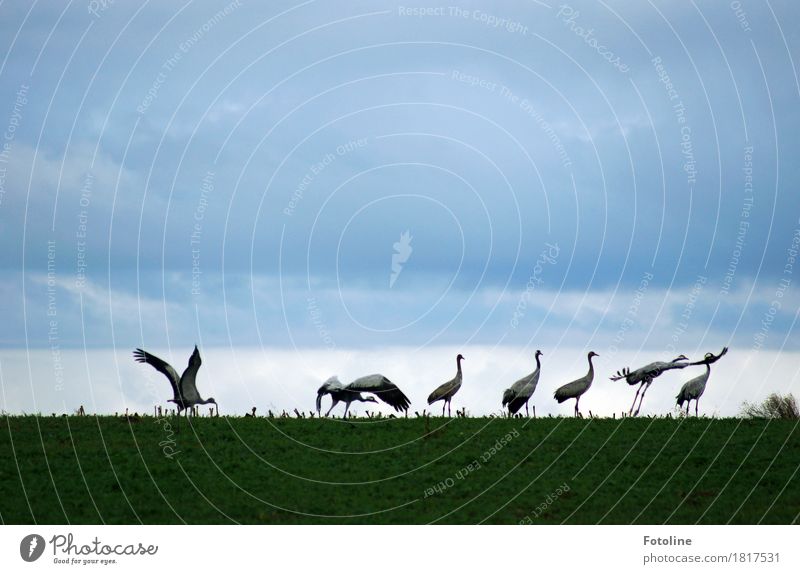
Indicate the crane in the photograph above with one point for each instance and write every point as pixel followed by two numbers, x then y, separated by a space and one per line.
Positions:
pixel 445 391
pixel 184 388
pixel 521 391
pixel 694 388
pixel 577 388
pixel 644 376
pixel 378 385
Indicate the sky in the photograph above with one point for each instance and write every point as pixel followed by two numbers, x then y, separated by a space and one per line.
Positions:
pixel 313 188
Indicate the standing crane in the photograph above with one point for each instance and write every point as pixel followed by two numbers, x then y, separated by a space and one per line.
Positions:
pixel 445 391
pixel 694 388
pixel 644 376
pixel 184 388
pixel 577 388
pixel 378 385
pixel 521 391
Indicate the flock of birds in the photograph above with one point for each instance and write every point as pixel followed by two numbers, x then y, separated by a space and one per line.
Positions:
pixel 186 397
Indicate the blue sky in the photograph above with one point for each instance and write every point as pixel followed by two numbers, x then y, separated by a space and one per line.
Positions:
pixel 295 143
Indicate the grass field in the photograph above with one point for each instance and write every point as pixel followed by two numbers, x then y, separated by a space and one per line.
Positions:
pixel 552 470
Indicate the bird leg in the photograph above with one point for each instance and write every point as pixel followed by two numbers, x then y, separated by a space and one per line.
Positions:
pixel 687 408
pixel 696 403
pixel 635 397
pixel 333 404
pixel 641 398
pixel 527 412
pixel 444 404
pixel 577 411
pixel 449 412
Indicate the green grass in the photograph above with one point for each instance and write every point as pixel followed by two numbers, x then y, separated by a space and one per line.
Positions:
pixel 107 470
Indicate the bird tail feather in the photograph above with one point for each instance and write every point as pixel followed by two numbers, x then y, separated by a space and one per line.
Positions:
pixel 560 396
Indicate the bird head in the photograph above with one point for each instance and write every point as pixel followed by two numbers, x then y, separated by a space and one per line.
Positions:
pixel 370 400
pixel 680 358
pixel 538 353
pixel 593 354
pixel 460 357
pixel 212 400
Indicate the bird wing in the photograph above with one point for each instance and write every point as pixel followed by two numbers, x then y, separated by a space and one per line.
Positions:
pixel 533 380
pixel 441 392
pixel 651 370
pixel 190 374
pixel 385 389
pixel 674 365
pixel 693 388
pixel 188 379
pixel 569 391
pixel 519 385
pixel 161 366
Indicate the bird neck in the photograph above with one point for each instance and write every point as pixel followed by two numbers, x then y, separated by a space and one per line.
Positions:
pixel 538 362
pixel 458 365
pixel 591 366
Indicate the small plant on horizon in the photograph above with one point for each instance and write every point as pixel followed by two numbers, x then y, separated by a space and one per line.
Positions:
pixel 774 406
